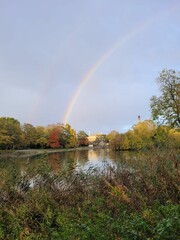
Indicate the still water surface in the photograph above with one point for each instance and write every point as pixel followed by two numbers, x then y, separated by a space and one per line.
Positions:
pixel 26 173
pixel 79 160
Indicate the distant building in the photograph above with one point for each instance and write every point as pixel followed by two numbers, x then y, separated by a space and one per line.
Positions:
pixel 139 119
pixel 96 139
pixel 92 138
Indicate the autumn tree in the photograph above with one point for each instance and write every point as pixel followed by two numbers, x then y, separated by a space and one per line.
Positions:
pixel 174 138
pixel 100 140
pixel 65 139
pixel 82 139
pixel 165 109
pixel 54 140
pixel 111 135
pixel 141 136
pixel 144 133
pixel 116 141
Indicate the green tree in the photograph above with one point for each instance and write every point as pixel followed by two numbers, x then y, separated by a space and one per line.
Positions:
pixel 165 109
pixel 160 137
pixel 29 135
pixel 68 134
pixel 10 133
pixel 73 138
pixel 42 137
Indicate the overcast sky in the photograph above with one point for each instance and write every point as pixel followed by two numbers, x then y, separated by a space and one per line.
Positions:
pixel 48 48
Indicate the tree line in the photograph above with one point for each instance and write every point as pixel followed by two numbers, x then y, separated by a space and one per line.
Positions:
pixel 145 135
pixel 13 135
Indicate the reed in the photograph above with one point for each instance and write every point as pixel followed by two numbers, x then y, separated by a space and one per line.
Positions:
pixel 142 203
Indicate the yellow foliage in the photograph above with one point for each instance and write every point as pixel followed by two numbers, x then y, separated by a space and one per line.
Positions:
pixel 119 191
pixel 25 233
pixel 174 137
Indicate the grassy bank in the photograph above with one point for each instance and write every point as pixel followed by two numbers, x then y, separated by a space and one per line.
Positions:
pixel 116 204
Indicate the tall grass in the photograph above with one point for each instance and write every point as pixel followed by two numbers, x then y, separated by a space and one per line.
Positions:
pixel 115 204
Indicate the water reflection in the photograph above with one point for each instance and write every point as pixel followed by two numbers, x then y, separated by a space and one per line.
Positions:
pixel 50 169
pixel 74 161
pixel 96 159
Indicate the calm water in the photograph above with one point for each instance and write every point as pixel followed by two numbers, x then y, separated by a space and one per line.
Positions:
pixel 83 160
pixel 30 172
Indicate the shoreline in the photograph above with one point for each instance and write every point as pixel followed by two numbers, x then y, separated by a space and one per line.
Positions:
pixel 23 153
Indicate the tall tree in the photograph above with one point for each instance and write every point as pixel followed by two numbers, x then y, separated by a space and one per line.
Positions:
pixel 54 141
pixel 29 135
pixel 68 136
pixel 42 137
pixel 73 138
pixel 10 133
pixel 64 136
pixel 165 109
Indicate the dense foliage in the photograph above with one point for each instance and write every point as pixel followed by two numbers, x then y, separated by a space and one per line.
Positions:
pixel 13 135
pixel 10 133
pixel 142 135
pixel 117 204
pixel 166 108
pixel 145 135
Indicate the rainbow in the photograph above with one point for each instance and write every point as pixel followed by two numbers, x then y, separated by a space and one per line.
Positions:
pixel 96 66
pixel 47 80
pixel 84 81
pixel 119 44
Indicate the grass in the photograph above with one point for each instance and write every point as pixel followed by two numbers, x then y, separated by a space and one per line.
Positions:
pixel 116 204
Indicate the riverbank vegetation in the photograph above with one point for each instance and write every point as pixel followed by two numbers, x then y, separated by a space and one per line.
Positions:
pixel 143 135
pixel 120 203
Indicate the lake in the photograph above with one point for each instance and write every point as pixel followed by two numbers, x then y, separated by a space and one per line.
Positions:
pixel 76 161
